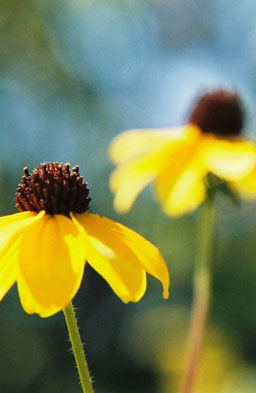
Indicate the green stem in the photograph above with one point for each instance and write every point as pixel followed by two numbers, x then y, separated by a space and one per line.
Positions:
pixel 202 283
pixel 77 348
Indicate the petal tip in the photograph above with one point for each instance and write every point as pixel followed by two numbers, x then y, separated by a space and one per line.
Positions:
pixel 121 207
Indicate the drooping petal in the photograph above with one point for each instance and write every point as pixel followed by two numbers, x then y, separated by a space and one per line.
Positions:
pixel 29 303
pixel 11 228
pixel 52 258
pixel 128 180
pixel 187 194
pixel 179 186
pixel 124 257
pixel 134 143
pixel 131 177
pixel 9 268
pixel 231 160
pixel 12 224
pixel 127 279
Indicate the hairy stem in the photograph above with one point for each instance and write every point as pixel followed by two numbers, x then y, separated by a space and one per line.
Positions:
pixel 77 348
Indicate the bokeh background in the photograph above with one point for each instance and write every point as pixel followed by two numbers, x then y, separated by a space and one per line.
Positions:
pixel 74 74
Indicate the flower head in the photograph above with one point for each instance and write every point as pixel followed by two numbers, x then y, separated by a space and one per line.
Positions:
pixel 180 160
pixel 44 247
pixel 53 188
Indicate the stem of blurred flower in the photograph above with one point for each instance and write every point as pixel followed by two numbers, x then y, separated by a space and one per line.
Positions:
pixel 77 348
pixel 202 283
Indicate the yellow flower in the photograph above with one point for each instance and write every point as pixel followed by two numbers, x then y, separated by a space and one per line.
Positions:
pixel 178 160
pixel 44 247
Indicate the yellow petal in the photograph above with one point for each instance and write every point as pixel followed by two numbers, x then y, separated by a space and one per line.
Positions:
pixel 229 159
pixel 11 225
pixel 52 258
pixel 124 257
pixel 126 278
pixel 246 186
pixel 179 186
pixel 130 144
pixel 29 303
pixel 187 194
pixel 9 268
pixel 11 228
pixel 128 181
pixel 130 178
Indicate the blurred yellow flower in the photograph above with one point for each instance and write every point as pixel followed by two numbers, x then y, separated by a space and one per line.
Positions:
pixel 178 160
pixel 44 247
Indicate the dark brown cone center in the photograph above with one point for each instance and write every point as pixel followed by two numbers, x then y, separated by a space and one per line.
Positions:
pixel 54 188
pixel 218 112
